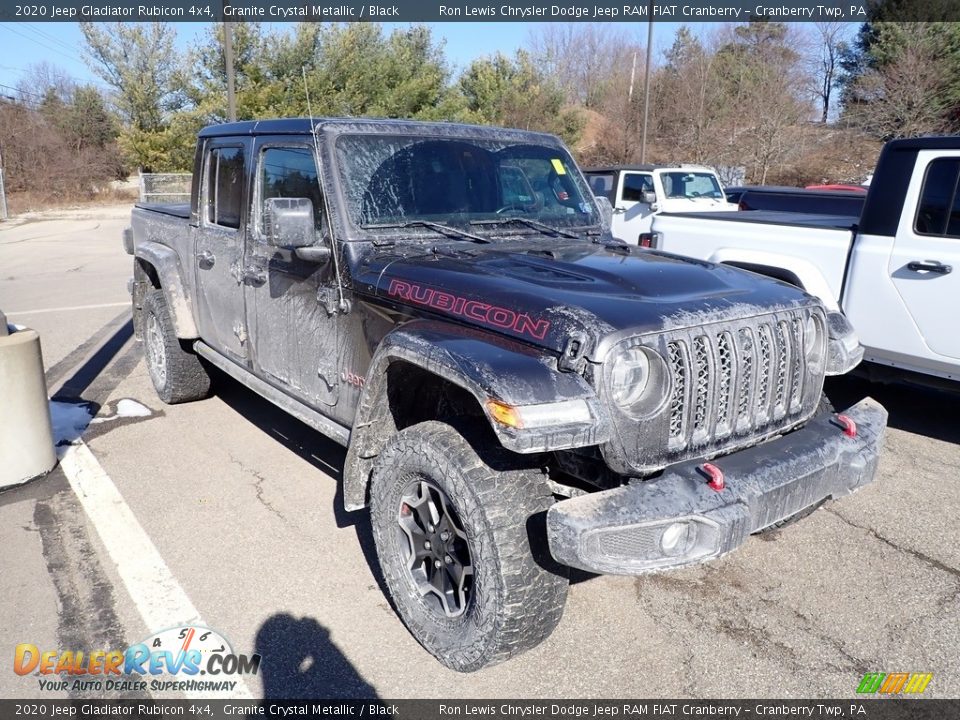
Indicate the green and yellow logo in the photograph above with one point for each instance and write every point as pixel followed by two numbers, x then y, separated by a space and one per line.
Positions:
pixel 894 683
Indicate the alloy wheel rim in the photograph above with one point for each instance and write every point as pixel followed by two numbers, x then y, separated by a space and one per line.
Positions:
pixel 438 553
pixel 158 360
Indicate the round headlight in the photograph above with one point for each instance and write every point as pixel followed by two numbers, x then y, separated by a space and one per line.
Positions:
pixel 629 377
pixel 813 341
pixel 637 381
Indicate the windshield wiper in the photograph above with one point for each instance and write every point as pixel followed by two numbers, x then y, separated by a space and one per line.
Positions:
pixel 436 227
pixel 542 227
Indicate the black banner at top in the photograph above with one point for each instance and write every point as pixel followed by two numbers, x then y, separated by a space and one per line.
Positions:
pixel 466 10
pixel 898 708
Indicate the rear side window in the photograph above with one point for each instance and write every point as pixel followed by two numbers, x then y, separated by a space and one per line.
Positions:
pixel 634 186
pixel 225 174
pixel 939 209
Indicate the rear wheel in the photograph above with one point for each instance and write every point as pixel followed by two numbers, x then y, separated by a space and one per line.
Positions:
pixel 456 535
pixel 176 372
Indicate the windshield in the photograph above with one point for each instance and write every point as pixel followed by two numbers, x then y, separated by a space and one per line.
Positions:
pixel 691 185
pixel 398 180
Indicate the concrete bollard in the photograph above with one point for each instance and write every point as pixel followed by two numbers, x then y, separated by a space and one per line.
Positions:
pixel 26 436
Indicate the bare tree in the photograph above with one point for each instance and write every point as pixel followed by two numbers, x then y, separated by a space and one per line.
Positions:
pixel 824 60
pixel 585 59
pixel 765 86
pixel 39 79
pixel 906 96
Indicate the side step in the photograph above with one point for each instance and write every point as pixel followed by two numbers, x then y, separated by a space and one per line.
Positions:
pixel 305 414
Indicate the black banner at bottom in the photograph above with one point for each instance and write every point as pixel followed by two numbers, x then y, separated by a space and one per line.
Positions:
pixel 866 709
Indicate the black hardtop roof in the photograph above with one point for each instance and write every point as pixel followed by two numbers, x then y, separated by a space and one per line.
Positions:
pixel 302 126
pixel 938 142
pixel 888 189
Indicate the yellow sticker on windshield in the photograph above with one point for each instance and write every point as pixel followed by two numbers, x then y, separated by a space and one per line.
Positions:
pixel 558 166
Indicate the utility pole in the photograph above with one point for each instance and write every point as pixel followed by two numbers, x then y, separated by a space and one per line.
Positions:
pixel 228 58
pixel 3 189
pixel 646 83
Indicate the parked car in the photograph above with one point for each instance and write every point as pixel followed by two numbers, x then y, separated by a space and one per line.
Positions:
pixel 638 192
pixel 889 268
pixel 518 393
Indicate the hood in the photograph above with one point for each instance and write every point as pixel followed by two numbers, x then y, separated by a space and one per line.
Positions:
pixel 547 292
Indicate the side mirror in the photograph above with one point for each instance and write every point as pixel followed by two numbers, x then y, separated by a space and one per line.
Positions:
pixel 288 222
pixel 649 198
pixel 606 211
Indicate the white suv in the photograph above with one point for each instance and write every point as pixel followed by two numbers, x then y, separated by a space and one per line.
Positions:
pixel 638 192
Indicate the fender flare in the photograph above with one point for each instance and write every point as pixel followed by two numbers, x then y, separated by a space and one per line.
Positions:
pixel 165 262
pixel 793 270
pixel 485 366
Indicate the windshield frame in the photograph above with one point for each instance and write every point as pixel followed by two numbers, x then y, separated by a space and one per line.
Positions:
pixel 351 231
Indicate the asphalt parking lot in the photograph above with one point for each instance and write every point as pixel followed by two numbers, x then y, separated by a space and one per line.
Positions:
pixel 241 504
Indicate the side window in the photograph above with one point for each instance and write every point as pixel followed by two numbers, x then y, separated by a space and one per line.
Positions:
pixel 290 172
pixel 225 186
pixel 939 210
pixel 634 186
pixel 602 184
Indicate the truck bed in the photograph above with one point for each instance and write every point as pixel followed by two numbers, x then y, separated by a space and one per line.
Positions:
pixel 772 217
pixel 179 210
pixel 810 249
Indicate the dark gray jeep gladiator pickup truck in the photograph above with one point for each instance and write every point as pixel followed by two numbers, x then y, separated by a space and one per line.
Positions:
pixel 518 392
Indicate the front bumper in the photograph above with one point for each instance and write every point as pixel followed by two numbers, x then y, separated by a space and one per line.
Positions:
pixel 624 531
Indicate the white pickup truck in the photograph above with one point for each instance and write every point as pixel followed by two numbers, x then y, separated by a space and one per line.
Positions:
pixel 638 192
pixel 890 271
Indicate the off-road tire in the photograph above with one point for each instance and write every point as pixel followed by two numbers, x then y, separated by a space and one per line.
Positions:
pixel 517 599
pixel 176 372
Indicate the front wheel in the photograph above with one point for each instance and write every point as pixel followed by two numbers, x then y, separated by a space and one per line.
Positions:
pixel 457 535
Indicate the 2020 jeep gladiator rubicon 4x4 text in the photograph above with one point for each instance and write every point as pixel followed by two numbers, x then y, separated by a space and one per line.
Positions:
pixel 517 391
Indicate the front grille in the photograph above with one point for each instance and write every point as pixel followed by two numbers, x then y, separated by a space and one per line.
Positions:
pixel 732 381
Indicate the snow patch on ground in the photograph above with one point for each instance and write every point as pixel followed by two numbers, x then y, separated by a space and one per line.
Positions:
pixel 69 420
pixel 125 408
pixel 131 408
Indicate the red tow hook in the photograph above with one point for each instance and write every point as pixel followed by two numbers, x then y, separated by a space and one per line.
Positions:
pixel 847 424
pixel 715 474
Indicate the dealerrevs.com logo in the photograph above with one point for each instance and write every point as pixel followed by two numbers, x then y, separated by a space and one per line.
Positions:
pixel 186 653
pixel 894 683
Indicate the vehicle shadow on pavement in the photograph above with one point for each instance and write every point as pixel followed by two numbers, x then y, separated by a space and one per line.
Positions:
pixel 310 445
pixel 912 408
pixel 299 660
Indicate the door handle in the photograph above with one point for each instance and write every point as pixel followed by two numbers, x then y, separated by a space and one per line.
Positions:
pixel 205 259
pixel 930 266
pixel 253 276
pixel 619 211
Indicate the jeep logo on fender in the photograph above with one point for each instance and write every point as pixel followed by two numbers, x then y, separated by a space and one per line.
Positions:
pixel 472 309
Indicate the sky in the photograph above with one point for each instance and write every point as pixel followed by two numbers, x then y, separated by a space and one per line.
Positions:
pixel 60 44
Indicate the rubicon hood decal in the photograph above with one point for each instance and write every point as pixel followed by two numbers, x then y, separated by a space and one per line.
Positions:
pixel 481 312
pixel 544 293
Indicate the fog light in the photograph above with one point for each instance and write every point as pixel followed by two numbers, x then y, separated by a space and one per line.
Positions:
pixel 677 538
